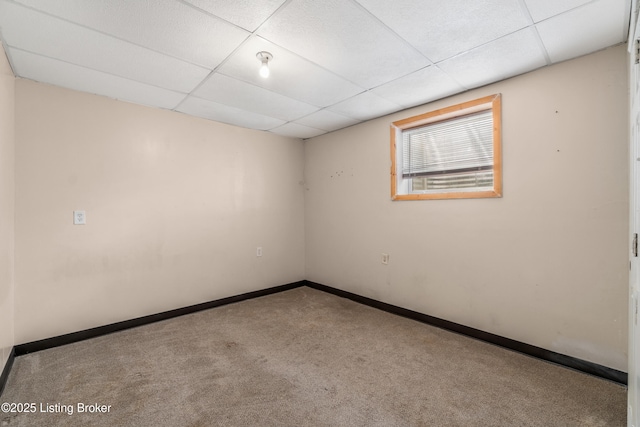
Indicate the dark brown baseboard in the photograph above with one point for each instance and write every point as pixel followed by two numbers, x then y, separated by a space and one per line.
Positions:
pixel 530 350
pixel 7 368
pixel 44 344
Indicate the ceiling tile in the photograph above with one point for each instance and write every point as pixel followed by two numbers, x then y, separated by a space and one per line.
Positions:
pixel 343 38
pixel 442 29
pixel 248 14
pixel 74 77
pixel 543 9
pixel 365 106
pixel 165 26
pixel 42 34
pixel 506 57
pixel 226 90
pixel 573 34
pixel 423 86
pixel 336 62
pixel 225 114
pixel 327 120
pixel 297 131
pixel 291 75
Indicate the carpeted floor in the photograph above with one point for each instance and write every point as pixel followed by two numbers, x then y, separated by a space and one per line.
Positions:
pixel 301 358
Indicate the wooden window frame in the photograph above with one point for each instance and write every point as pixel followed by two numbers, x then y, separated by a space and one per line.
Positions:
pixel 493 103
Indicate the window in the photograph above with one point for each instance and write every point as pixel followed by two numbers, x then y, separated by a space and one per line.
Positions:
pixel 452 153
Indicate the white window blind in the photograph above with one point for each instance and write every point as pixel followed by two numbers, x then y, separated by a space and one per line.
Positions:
pixel 453 153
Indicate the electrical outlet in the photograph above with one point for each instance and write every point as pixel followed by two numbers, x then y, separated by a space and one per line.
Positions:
pixel 79 218
pixel 259 251
pixel 385 259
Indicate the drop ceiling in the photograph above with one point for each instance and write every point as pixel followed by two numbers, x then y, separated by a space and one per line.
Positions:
pixel 335 62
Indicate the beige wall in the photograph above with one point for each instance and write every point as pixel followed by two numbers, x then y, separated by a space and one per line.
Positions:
pixel 547 264
pixel 7 158
pixel 175 206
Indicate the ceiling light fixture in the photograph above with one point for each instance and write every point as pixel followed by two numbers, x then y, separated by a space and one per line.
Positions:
pixel 264 58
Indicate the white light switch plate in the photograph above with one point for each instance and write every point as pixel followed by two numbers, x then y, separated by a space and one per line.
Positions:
pixel 79 218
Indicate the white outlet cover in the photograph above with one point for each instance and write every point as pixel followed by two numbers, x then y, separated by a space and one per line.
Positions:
pixel 79 217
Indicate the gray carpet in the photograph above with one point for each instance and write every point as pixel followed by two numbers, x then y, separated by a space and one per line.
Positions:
pixel 302 358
